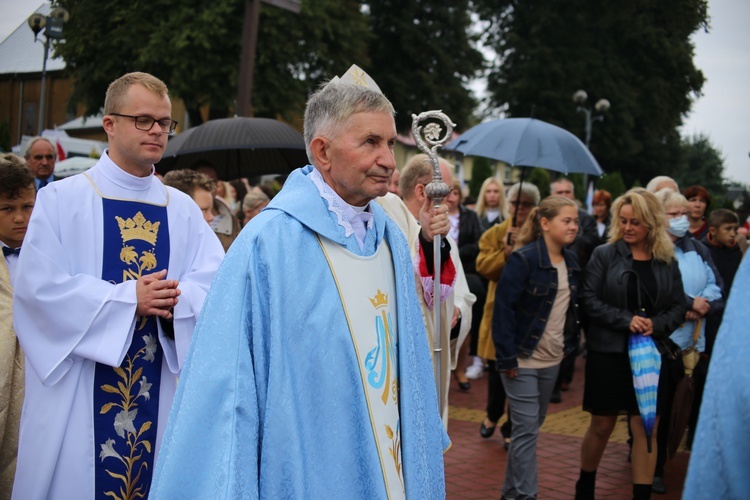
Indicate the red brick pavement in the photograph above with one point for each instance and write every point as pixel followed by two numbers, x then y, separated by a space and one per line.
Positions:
pixel 475 466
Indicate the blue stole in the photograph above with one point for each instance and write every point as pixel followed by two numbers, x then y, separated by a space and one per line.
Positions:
pixel 126 398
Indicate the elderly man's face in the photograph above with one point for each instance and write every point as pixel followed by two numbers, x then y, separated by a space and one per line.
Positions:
pixel 41 159
pixel 360 158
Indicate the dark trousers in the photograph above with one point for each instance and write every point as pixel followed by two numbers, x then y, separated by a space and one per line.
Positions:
pixel 496 399
pixel 478 288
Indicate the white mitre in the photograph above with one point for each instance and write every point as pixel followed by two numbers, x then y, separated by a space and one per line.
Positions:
pixel 357 76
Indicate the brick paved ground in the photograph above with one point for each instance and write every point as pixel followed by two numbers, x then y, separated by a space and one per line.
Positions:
pixel 475 467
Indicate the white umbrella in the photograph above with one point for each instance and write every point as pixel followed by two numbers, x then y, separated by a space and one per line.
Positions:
pixel 74 165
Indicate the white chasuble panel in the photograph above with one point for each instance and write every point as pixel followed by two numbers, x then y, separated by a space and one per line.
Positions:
pixel 367 289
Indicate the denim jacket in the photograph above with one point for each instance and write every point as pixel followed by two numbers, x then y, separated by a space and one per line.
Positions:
pixel 523 303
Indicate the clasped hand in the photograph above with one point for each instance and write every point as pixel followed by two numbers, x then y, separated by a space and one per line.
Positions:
pixel 642 325
pixel 434 222
pixel 156 296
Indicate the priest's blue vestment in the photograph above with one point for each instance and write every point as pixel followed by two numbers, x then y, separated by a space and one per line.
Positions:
pixel 271 402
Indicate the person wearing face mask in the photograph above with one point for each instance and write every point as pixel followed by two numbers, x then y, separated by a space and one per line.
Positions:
pixel 702 286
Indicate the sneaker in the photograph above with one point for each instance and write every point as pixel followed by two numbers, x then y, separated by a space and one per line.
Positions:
pixel 474 372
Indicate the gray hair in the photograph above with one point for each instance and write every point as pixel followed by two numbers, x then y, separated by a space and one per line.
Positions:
pixel 669 198
pixel 33 141
pixel 560 180
pixel 653 183
pixel 528 189
pixel 253 199
pixel 331 106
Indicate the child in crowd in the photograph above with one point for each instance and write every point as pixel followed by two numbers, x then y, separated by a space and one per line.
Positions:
pixel 17 196
pixel 721 240
pixel 534 326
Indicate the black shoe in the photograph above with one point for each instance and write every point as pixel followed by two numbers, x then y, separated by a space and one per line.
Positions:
pixel 584 491
pixel 487 432
pixel 464 386
pixel 658 486
pixel 556 397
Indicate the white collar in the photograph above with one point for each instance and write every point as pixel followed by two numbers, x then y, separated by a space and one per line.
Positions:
pixel 354 220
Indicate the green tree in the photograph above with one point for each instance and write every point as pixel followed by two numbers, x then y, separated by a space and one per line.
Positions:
pixel 612 183
pixel 541 178
pixel 702 165
pixel 481 169
pixel 422 57
pixel 637 54
pixel 195 49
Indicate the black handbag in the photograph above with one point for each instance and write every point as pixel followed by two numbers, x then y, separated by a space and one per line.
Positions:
pixel 671 359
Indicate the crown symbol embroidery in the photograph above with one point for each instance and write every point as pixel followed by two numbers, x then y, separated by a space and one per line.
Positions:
pixel 380 300
pixel 138 228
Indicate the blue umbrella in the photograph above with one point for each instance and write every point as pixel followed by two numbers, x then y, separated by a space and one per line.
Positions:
pixel 645 363
pixel 527 142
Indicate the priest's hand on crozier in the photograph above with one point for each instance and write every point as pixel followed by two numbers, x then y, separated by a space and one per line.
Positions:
pixel 433 222
pixel 156 296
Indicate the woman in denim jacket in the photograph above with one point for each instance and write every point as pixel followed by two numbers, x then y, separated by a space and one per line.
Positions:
pixel 533 326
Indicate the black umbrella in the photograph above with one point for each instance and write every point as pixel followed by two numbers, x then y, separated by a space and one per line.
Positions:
pixel 237 147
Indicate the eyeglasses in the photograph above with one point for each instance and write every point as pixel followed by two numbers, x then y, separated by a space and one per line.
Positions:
pixel 43 157
pixel 524 204
pixel 145 123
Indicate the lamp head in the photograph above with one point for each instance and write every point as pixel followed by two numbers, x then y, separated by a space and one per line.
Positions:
pixel 602 105
pixel 580 96
pixel 60 13
pixel 36 23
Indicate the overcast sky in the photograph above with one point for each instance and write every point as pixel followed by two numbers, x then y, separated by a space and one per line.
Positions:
pixel 723 54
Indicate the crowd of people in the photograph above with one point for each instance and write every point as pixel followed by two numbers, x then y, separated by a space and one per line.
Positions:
pixel 307 356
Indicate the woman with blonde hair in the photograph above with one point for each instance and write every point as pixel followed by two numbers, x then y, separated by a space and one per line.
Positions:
pixel 638 261
pixel 491 207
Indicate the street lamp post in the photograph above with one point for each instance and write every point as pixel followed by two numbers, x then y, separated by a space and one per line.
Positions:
pixel 53 30
pixel 601 106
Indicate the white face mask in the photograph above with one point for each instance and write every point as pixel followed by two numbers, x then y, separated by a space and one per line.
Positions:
pixel 679 226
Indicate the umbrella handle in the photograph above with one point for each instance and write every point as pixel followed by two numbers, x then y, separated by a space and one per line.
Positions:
pixel 640 311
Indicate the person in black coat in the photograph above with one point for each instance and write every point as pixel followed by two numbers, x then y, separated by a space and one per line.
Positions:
pixel 639 246
pixel 466 231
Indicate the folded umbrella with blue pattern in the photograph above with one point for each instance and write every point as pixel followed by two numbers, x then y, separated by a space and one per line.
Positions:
pixel 645 363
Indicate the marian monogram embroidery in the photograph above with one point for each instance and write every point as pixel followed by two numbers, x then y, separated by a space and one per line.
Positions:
pixel 382 371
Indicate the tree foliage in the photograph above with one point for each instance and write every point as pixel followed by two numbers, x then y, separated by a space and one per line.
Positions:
pixel 637 54
pixel 702 165
pixel 481 169
pixel 194 46
pixel 539 177
pixel 422 57
pixel 612 183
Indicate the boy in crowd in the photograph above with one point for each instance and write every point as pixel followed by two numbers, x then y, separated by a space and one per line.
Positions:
pixel 17 196
pixel 721 239
pixel 198 186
